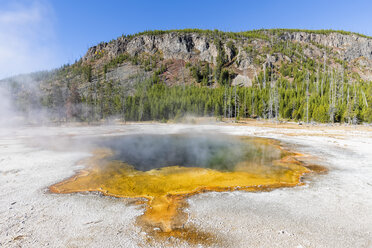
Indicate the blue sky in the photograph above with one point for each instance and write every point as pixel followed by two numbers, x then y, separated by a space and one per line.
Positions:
pixel 42 34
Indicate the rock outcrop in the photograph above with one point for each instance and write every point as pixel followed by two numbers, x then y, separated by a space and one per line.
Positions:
pixel 189 45
pixel 200 47
pixel 172 46
pixel 351 46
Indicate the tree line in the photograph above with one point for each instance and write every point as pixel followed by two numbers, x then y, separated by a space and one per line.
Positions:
pixel 325 97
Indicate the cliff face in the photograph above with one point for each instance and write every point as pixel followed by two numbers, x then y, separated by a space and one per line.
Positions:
pixel 349 46
pixel 198 47
pixel 188 46
pixel 172 46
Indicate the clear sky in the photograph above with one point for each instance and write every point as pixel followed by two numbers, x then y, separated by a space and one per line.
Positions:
pixel 42 34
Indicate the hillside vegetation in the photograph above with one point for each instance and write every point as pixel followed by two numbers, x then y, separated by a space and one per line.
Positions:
pixel 312 76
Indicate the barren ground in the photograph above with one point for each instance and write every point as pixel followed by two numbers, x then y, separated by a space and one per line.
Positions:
pixel 331 210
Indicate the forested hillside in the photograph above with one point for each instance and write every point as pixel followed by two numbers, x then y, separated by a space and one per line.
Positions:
pixel 313 76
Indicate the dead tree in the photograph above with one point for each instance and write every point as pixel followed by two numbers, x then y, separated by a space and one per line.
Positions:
pixel 225 102
pixel 307 98
pixel 235 104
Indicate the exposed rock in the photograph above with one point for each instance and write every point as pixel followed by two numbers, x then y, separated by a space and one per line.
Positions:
pixel 352 46
pixel 183 46
pixel 200 47
pixel 172 46
pixel 241 80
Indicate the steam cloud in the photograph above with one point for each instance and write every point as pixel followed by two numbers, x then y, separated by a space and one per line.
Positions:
pixel 221 152
pixel 27 39
pixel 8 115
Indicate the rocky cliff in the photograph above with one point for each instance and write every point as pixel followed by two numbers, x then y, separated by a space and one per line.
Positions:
pixel 192 45
pixel 246 55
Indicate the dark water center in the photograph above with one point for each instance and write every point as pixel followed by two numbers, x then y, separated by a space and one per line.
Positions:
pixel 220 152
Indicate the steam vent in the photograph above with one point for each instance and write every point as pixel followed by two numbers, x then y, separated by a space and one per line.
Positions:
pixel 166 169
